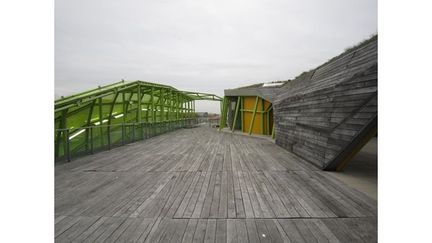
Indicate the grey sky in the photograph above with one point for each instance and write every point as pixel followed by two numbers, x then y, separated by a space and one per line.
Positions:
pixel 200 45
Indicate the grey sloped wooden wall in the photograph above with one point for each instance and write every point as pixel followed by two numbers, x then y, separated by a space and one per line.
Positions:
pixel 325 114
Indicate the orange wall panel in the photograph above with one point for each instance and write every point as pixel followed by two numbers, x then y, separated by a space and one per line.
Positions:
pixel 249 104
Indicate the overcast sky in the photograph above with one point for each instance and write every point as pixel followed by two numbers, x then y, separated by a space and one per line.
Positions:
pixel 201 45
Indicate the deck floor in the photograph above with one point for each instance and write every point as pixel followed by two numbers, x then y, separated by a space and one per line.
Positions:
pixel 200 185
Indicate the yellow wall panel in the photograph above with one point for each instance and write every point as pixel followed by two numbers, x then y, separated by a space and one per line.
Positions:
pixel 260 123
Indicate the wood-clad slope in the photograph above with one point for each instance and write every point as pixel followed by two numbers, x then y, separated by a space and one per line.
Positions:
pixel 327 114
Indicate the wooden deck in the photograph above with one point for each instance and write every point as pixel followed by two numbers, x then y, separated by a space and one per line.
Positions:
pixel 199 185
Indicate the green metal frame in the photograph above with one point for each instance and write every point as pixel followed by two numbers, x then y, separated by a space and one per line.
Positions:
pixel 140 103
pixel 202 96
pixel 224 108
pixel 236 114
pixel 253 115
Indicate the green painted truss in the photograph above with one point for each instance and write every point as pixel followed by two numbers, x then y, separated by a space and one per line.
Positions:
pixel 120 113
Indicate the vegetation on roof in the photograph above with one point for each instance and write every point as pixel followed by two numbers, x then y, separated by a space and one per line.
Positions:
pixel 346 51
pixel 352 48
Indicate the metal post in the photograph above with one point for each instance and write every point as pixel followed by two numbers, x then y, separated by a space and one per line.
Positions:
pixel 144 131
pixel 235 114
pixel 91 140
pixel 169 106
pixel 187 109
pixel 109 136
pixel 100 121
pixel 162 105
pixel 241 114
pixel 177 107
pixel 88 123
pixel 141 131
pixel 123 135
pixel 139 103
pixel 60 134
pixel 67 146
pixel 153 106
pixel 127 106
pixel 223 114
pixel 124 107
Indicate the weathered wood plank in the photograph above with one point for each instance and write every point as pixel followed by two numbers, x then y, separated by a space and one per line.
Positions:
pixel 254 189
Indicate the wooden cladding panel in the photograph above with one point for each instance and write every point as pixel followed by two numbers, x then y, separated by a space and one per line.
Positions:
pixel 321 114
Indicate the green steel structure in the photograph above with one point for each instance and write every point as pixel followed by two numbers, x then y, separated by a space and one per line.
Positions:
pixel 120 113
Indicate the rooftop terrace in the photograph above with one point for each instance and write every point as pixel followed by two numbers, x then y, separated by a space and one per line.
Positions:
pixel 203 185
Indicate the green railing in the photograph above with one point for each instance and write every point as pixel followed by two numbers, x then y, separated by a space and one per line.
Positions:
pixel 73 143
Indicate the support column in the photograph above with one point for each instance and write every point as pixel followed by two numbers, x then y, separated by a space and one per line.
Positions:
pixel 153 106
pixel 100 121
pixel 224 113
pixel 139 104
pixel 124 107
pixel 110 119
pixel 177 107
pixel 162 105
pixel 87 130
pixel 235 114
pixel 241 113
pixel 253 116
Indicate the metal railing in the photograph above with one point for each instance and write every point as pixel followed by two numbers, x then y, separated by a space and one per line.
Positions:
pixel 210 122
pixel 73 143
pixel 214 122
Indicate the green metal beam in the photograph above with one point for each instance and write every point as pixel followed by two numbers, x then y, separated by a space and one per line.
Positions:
pixel 88 123
pixel 86 93
pixel 112 109
pixel 111 87
pixel 139 103
pixel 60 134
pixel 162 107
pixel 153 105
pixel 60 104
pixel 201 96
pixel 235 114
pixel 124 106
pixel 241 112
pixel 177 106
pixel 253 115
pixel 88 96
pixel 100 120
pixel 127 106
pixel 224 113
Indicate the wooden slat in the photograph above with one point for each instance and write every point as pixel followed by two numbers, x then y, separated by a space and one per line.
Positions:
pixel 177 193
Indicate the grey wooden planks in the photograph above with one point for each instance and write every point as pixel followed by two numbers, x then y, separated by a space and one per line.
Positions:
pixel 239 195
